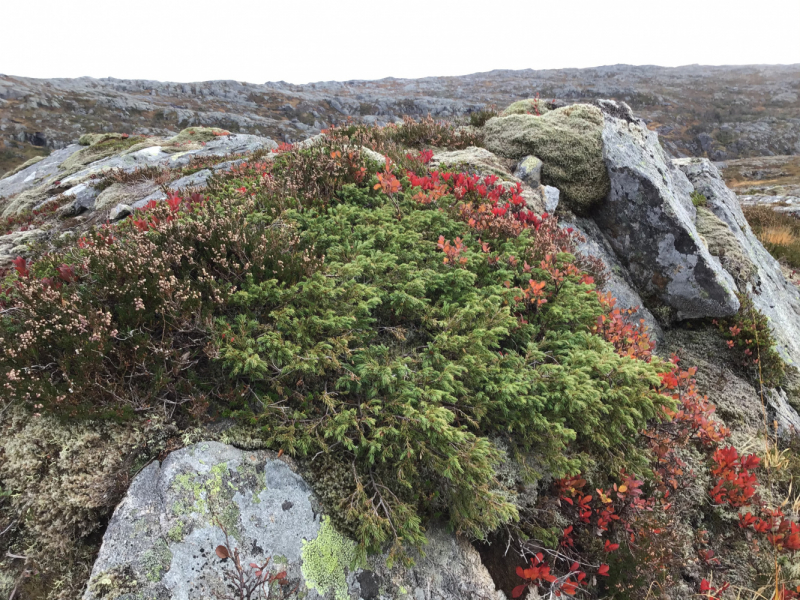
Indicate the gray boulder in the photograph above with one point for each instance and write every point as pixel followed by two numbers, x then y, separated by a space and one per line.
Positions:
pixel 617 279
pixel 649 220
pixel 161 541
pixel 84 195
pixel 771 293
pixel 120 211
pixel 551 198
pixel 529 170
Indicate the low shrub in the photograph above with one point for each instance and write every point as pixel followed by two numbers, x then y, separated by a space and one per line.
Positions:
pixel 750 340
pixel 328 305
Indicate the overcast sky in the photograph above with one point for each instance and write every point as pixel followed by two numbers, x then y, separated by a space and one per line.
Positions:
pixel 300 41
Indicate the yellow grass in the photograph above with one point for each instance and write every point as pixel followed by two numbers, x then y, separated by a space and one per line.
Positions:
pixel 779 236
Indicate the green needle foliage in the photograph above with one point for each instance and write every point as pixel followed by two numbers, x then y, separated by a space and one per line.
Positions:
pixel 315 308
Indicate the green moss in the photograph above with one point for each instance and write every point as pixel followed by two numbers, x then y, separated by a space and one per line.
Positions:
pixel 111 584
pixel 722 243
pixel 527 106
pixel 326 560
pixel 197 134
pixel 156 561
pixel 569 142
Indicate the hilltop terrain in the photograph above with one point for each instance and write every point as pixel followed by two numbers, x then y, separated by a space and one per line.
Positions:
pixel 718 112
pixel 530 357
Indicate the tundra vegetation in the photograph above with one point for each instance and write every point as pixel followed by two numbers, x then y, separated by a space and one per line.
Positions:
pixel 420 333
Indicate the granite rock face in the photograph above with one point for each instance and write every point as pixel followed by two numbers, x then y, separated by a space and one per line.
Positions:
pixel 771 293
pixel 618 281
pixel 161 541
pixel 649 219
pixel 43 180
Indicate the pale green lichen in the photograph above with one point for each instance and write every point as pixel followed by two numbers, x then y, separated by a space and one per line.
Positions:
pixel 198 134
pixel 209 496
pixel 156 561
pixel 176 533
pixel 326 560
pixel 254 474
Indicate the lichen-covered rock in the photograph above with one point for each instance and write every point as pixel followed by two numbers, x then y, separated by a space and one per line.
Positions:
pixel 16 244
pixel 771 293
pixel 649 220
pixel 529 170
pixel 73 166
pixel 84 195
pixel 97 147
pixel 162 538
pixel 35 174
pixel 569 142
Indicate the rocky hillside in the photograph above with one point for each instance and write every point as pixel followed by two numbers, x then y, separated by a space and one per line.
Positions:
pixel 534 358
pixel 718 112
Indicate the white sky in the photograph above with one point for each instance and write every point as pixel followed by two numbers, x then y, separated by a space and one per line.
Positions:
pixel 311 40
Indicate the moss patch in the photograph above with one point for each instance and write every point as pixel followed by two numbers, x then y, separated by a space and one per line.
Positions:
pixel 568 141
pixel 722 243
pixel 527 106
pixel 113 583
